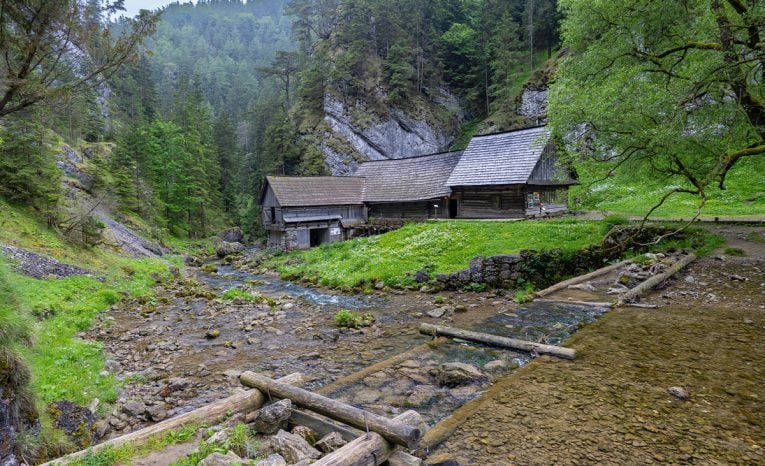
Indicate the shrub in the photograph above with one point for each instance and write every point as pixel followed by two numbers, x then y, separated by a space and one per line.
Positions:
pixel 238 293
pixel 346 318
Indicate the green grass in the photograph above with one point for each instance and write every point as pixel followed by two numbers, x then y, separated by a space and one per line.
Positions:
pixel 446 245
pixel 123 454
pixel 630 193
pixel 238 293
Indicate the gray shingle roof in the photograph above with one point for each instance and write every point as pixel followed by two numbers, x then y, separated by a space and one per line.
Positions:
pixel 409 179
pixel 317 190
pixel 502 158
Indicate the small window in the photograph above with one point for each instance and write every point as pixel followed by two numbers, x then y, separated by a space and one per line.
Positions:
pixel 273 214
pixel 496 202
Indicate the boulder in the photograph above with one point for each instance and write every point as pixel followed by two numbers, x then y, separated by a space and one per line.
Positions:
pixel 330 442
pixel 421 276
pixel 293 448
pixel 679 392
pixel 192 261
pixel 219 459
pixel 451 374
pixel 134 408
pixel 224 248
pixel 272 460
pixel 271 418
pixel 232 235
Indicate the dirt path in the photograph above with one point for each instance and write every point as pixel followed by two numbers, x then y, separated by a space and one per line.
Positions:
pixel 612 405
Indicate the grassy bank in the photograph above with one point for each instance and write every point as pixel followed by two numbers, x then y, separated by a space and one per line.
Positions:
pixel 63 365
pixel 447 246
pixel 631 193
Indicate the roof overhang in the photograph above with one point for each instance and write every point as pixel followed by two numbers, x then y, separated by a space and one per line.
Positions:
pixel 313 218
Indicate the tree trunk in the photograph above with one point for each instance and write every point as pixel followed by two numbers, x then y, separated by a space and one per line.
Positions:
pixel 370 449
pixel 559 351
pixel 392 431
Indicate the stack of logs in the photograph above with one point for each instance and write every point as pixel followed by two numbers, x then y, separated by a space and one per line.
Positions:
pixel 380 439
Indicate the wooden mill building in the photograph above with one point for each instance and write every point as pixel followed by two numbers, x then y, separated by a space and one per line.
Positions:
pixel 510 175
pixel 514 174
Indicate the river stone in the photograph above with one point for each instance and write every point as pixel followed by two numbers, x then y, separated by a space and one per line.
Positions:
pixel 219 459
pixel 421 395
pixel 678 392
pixel 272 460
pixel 293 448
pixel 273 417
pixel 134 408
pixel 451 374
pixel 436 313
pixel 330 442
pixel 366 396
pixel 496 365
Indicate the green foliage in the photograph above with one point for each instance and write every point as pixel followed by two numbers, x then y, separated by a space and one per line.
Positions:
pixel 695 105
pixel 27 165
pixel 524 293
pixel 633 192
pixel 241 441
pixel 111 455
pixel 450 246
pixel 611 221
pixel 345 318
pixel 734 252
pixel 238 293
pixel 755 237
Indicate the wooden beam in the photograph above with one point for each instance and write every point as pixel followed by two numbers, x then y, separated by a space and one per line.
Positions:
pixel 392 431
pixel 369 449
pixel 582 278
pixel 211 413
pixel 559 351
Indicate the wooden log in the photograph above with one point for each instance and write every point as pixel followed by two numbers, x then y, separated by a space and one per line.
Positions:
pixel 369 449
pixel 571 301
pixel 212 413
pixel 559 351
pixel 393 431
pixel 650 283
pixel 582 278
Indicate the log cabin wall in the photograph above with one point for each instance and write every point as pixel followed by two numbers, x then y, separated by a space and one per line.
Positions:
pixel 490 202
pixel 434 208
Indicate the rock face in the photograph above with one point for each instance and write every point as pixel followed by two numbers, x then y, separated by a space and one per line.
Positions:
pixel 77 422
pixel 219 459
pixel 232 235
pixel 533 104
pixel 393 137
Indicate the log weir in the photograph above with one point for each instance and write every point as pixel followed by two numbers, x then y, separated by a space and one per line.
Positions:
pixel 513 343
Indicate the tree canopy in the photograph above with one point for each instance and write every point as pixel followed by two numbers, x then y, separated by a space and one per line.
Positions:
pixel 53 47
pixel 676 86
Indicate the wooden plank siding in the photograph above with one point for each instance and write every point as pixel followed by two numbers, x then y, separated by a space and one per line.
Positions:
pixel 490 202
pixel 415 209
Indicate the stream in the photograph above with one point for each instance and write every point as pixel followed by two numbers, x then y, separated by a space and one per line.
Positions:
pixel 169 362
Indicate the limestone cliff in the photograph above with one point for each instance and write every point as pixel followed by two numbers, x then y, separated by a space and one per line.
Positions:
pixel 355 133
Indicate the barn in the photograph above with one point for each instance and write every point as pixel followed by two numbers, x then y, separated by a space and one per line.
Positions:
pixel 515 174
pixel 302 212
pixel 413 187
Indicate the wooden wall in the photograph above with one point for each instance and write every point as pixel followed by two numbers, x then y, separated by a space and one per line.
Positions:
pixel 480 202
pixel 416 209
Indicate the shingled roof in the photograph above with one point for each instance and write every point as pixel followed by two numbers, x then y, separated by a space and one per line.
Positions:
pixel 410 179
pixel 501 158
pixel 306 191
